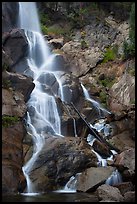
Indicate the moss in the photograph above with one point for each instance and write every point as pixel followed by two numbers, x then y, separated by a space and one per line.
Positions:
pixel 9 120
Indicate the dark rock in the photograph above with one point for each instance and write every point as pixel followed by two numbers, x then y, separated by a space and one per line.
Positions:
pixel 102 149
pixel 12 158
pixel 17 53
pixel 124 187
pixel 9 15
pixel 129 196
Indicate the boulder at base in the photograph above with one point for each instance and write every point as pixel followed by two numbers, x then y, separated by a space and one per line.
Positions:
pixel 92 177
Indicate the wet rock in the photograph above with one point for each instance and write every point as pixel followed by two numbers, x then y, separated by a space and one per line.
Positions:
pixel 125 162
pixel 59 159
pixel 92 177
pixel 109 193
pixel 101 148
pixel 12 158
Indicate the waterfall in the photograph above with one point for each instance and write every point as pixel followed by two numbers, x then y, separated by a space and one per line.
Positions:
pixel 97 105
pixel 42 114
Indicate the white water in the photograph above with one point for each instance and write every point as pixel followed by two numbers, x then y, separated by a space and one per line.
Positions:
pixel 97 105
pixel 42 115
pixel 115 177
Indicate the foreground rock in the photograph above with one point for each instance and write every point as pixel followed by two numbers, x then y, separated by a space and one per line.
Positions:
pixel 59 159
pixel 125 162
pixel 109 193
pixel 12 158
pixel 92 177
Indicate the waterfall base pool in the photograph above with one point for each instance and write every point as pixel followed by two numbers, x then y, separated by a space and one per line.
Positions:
pixel 52 197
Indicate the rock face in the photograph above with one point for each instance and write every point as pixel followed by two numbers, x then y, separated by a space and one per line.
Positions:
pixel 122 93
pixel 13 103
pixel 9 18
pixel 81 61
pixel 109 193
pixel 59 159
pixel 93 177
pixel 12 158
pixel 19 83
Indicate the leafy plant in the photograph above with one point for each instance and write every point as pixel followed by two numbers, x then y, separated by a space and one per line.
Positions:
pixel 9 120
pixel 110 54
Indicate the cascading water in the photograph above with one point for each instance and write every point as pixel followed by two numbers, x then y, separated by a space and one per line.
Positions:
pixel 97 105
pixel 42 115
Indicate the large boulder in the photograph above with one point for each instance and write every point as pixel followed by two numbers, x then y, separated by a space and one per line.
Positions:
pixel 125 162
pixel 12 158
pixel 122 141
pixel 109 193
pixel 92 177
pixel 59 159
pixel 11 42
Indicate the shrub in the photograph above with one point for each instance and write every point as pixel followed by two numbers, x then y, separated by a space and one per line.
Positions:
pixel 44 29
pixel 110 54
pixel 9 120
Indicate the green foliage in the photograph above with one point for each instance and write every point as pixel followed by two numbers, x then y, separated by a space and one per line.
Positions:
pixel 9 120
pixel 103 98
pixel 107 82
pixel 129 47
pixel 44 29
pixel 110 54
pixel 44 18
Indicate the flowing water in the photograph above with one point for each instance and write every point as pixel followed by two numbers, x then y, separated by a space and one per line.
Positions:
pixel 42 114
